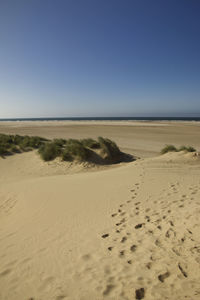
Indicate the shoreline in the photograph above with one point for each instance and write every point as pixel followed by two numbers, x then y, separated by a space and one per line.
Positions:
pixel 98 122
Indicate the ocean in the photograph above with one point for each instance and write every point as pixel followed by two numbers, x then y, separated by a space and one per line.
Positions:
pixel 105 119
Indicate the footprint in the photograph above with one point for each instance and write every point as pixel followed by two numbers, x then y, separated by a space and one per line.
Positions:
pixel 113 215
pixel 170 232
pixel 118 224
pixel 162 277
pixel 121 253
pixel 139 225
pixel 139 293
pixel 123 239
pixel 148 265
pixel 133 248
pixel 105 235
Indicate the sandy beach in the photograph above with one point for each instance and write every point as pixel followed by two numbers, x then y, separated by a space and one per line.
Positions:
pixel 143 139
pixel 122 232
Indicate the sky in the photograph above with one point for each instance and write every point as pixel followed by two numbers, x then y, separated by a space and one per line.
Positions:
pixel 81 58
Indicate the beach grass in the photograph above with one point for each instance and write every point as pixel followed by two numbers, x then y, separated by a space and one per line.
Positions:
pixel 10 144
pixel 100 151
pixel 172 148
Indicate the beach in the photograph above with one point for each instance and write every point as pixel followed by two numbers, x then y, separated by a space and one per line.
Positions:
pixel 144 139
pixel 119 232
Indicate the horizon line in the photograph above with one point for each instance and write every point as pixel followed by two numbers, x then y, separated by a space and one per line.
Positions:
pixel 102 117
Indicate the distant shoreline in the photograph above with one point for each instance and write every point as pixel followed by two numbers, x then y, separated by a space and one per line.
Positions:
pixel 141 119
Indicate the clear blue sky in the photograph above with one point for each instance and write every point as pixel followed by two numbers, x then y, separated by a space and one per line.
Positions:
pixel 99 58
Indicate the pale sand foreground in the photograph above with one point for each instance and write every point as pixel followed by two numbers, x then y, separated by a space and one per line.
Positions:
pixel 52 224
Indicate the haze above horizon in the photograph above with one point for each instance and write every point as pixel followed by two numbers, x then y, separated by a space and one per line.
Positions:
pixel 99 58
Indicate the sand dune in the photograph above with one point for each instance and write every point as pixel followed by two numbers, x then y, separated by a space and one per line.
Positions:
pixel 129 232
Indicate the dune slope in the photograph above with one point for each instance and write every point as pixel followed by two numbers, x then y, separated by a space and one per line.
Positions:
pixel 130 232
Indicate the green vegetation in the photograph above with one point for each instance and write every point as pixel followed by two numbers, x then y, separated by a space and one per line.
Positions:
pixel 109 149
pixel 102 151
pixel 169 148
pixel 75 150
pixel 80 150
pixel 172 148
pixel 10 144
pixel 90 143
pixel 66 156
pixel 59 142
pixel 187 149
pixel 49 151
pixel 3 150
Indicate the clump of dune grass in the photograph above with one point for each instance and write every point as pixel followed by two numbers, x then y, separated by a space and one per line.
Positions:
pixel 14 149
pixel 187 149
pixel 59 142
pixel 109 149
pixel 66 156
pixel 68 150
pixel 49 151
pixel 10 144
pixel 5 144
pixel 75 149
pixel 169 148
pixel 90 143
pixel 101 151
pixel 172 148
pixel 3 150
pixel 31 142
